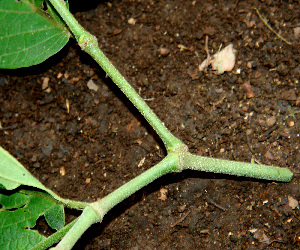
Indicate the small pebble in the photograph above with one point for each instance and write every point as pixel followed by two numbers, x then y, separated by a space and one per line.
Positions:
pixel 72 128
pixel 271 121
pixel 248 90
pixel 249 131
pixel 289 95
pixel 219 91
pixel 34 158
pixel 181 208
pixel 269 155
pixel 164 51
pixel 48 90
pixel 92 86
pixel 293 203
pixel 282 69
pixel 62 171
pixel 290 122
pixel 36 165
pixel 132 21
pixel 66 75
pixel 47 150
pixel 45 83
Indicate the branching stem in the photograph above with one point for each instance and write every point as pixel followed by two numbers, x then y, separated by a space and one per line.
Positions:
pixel 89 44
pixel 178 157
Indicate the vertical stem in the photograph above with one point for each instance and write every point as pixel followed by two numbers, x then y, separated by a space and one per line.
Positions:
pixel 85 220
pixel 48 242
pixel 89 44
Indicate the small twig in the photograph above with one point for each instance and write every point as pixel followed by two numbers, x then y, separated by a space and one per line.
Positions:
pixel 258 162
pixel 248 144
pixel 207 52
pixel 266 23
pixel 266 135
pixel 181 219
pixel 149 99
pixel 215 204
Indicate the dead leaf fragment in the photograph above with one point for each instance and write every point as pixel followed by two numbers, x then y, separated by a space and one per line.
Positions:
pixel 182 47
pixel 293 203
pixel 222 61
pixel 297 32
pixel 249 23
pixel 92 86
pixel 141 163
pixel 163 194
pixel 260 235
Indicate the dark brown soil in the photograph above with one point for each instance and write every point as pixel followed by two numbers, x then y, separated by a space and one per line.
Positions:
pixel 101 142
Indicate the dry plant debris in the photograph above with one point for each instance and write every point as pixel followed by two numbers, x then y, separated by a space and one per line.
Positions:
pixel 222 61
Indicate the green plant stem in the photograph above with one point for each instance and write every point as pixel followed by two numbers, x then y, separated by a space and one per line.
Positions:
pixel 73 25
pixel 89 44
pixel 68 203
pixel 96 211
pixel 85 220
pixel 52 239
pixel 168 165
pixel 174 162
pixel 207 164
pixel 170 141
pixel 79 205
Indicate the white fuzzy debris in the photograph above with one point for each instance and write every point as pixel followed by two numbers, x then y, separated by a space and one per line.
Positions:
pixel 222 61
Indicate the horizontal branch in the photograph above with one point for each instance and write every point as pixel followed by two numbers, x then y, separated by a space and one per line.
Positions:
pixel 200 163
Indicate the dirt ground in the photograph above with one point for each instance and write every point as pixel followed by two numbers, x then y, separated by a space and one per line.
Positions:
pixel 84 143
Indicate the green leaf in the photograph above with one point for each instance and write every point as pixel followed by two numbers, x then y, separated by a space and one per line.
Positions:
pixel 15 200
pixel 28 34
pixel 17 221
pixel 13 174
pixel 55 217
